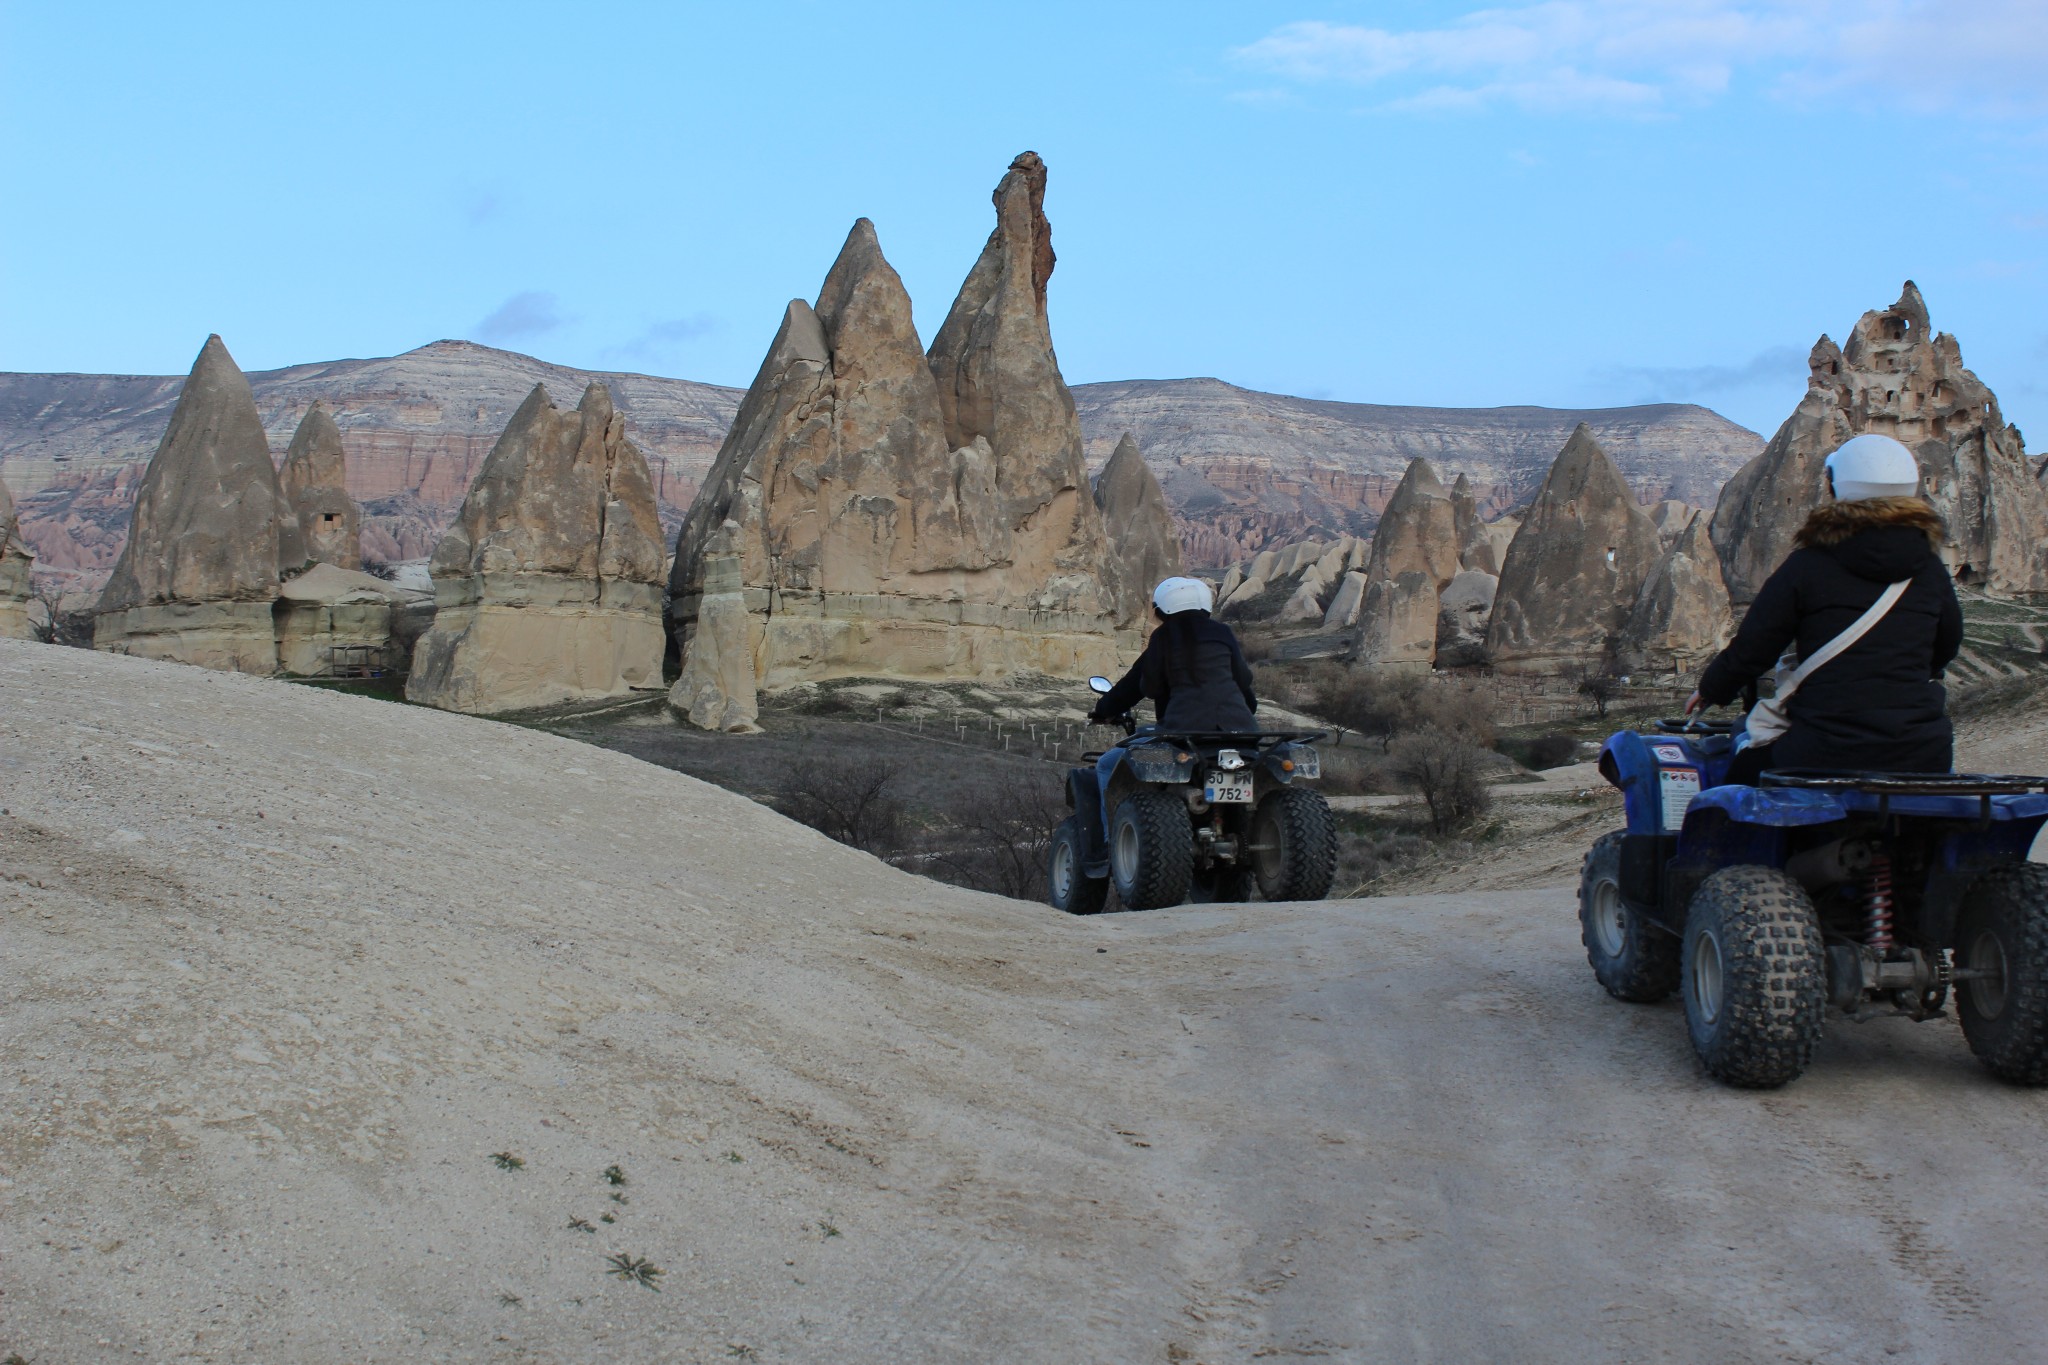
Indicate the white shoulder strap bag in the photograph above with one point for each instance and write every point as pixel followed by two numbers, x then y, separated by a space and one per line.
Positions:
pixel 1767 719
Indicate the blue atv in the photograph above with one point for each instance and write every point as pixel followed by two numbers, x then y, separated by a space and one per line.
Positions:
pixel 1873 893
pixel 1161 814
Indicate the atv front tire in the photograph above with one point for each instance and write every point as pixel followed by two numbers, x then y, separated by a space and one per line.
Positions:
pixel 1633 958
pixel 1754 977
pixel 1067 885
pixel 1151 849
pixel 1294 845
pixel 2002 927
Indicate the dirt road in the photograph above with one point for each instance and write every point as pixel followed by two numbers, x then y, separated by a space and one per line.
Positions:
pixel 282 973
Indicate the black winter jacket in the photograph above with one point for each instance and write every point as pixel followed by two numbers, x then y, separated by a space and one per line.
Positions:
pixel 1196 675
pixel 1879 704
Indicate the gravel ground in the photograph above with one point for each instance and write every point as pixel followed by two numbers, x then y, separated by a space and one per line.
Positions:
pixel 282 970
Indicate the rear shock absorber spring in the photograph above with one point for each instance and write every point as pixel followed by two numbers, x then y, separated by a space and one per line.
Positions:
pixel 1877 904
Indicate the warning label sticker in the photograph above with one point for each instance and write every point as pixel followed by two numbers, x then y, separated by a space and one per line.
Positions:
pixel 1668 753
pixel 1676 787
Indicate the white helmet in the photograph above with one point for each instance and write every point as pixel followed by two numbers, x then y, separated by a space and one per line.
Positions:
pixel 1873 466
pixel 1182 594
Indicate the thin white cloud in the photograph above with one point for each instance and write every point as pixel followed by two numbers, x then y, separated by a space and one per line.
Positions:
pixel 1646 56
pixel 531 313
pixel 1777 366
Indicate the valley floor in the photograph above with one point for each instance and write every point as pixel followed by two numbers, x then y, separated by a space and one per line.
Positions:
pixel 322 1020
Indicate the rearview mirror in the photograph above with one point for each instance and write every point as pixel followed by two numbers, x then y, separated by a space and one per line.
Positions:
pixel 1099 683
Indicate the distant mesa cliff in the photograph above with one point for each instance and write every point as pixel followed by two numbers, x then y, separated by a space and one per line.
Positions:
pixel 1242 470
pixel 1245 470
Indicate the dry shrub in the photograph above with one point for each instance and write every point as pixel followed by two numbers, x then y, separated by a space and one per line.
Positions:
pixel 1446 769
pixel 998 835
pixel 1552 751
pixel 853 800
pixel 1385 705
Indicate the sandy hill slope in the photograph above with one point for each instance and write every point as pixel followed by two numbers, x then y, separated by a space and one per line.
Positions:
pixel 1241 466
pixel 281 970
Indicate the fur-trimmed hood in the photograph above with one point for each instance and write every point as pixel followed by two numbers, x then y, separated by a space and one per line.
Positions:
pixel 1879 539
pixel 1831 523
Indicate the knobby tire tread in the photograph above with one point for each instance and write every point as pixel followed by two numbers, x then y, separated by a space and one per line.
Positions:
pixel 1089 894
pixel 1648 969
pixel 2014 901
pixel 1774 977
pixel 1311 834
pixel 1166 849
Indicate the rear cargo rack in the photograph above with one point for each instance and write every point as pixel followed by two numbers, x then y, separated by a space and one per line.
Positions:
pixel 1907 784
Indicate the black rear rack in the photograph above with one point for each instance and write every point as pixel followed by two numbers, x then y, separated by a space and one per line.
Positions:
pixel 1257 739
pixel 1907 784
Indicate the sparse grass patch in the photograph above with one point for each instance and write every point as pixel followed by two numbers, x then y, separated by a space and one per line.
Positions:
pixel 638 1269
pixel 508 1162
pixel 614 1176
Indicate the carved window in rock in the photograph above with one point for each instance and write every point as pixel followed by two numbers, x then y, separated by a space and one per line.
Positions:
pixel 1610 556
pixel 330 518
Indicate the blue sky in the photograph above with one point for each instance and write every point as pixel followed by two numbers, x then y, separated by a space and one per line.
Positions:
pixel 1570 203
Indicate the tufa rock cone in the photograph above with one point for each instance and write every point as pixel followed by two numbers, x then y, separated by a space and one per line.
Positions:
pixel 868 544
pixel 999 381
pixel 548 585
pixel 1136 520
pixel 716 689
pixel 1574 568
pixel 1414 556
pixel 196 579
pixel 325 524
pixel 1897 378
pixel 1681 617
pixel 15 565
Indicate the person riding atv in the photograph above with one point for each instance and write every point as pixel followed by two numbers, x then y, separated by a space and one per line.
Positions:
pixel 1879 704
pixel 1192 669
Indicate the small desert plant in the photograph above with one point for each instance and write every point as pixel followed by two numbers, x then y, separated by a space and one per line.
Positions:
pixel 507 1162
pixel 1552 751
pixel 638 1269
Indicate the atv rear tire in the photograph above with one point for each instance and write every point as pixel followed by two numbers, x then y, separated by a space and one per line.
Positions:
pixel 1633 958
pixel 1151 849
pixel 1294 845
pixel 1754 977
pixel 2002 926
pixel 1067 886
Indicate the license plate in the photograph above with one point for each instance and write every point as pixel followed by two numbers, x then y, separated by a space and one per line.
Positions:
pixel 1225 789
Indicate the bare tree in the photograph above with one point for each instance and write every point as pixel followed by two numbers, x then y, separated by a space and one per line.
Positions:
pixel 1599 686
pixel 852 800
pixel 999 835
pixel 1445 770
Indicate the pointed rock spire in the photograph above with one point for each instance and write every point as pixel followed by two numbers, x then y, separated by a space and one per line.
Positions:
pixel 1897 378
pixel 548 585
pixel 195 580
pixel 1136 519
pixel 325 525
pixel 1681 617
pixel 1000 382
pixel 15 565
pixel 1575 566
pixel 1414 555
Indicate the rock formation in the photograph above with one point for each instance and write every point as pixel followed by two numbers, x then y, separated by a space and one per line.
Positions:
pixel 1575 567
pixel 1345 602
pixel 199 572
pixel 1681 617
pixel 325 525
pixel 999 381
pixel 1671 517
pixel 716 689
pixel 1397 621
pixel 1137 521
pixel 15 565
pixel 1463 609
pixel 913 516
pixel 1415 554
pixel 331 621
pixel 548 585
pixel 1896 378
